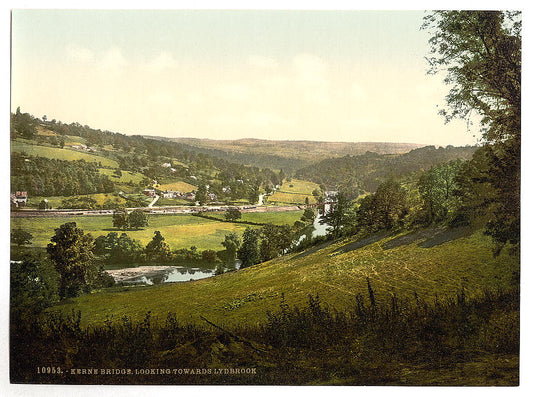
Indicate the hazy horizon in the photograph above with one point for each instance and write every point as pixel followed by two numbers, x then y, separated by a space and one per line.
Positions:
pixel 323 76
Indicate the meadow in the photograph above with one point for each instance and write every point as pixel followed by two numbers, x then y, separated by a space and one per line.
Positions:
pixel 60 154
pixel 55 201
pixel 126 176
pixel 337 272
pixel 178 186
pixel 180 231
pixel 294 192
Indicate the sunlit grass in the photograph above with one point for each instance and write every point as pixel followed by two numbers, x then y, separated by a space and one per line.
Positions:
pixel 443 270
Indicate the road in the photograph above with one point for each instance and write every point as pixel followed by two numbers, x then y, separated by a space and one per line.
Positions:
pixel 152 210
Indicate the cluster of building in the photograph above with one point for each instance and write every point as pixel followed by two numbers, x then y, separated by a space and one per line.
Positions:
pixel 19 199
pixel 84 147
pixel 172 194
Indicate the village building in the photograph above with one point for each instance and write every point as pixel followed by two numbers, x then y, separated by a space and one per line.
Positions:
pixel 19 199
pixel 170 194
pixel 149 192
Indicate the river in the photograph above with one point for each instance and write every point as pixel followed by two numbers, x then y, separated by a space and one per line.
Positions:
pixel 159 274
pixel 149 275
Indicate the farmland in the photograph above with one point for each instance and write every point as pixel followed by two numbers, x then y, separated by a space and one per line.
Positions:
pixel 294 192
pixel 180 231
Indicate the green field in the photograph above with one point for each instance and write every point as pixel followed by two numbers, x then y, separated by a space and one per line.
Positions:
pixel 126 176
pixel 294 192
pixel 337 276
pixel 60 154
pixel 178 186
pixel 180 231
pixel 276 218
pixel 55 201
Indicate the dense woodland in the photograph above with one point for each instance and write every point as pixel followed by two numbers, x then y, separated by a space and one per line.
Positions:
pixel 356 175
pixel 40 176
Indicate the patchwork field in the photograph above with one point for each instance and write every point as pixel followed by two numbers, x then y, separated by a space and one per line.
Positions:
pixel 294 192
pixel 180 231
pixel 337 272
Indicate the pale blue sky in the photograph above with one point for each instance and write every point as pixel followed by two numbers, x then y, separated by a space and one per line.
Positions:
pixel 317 75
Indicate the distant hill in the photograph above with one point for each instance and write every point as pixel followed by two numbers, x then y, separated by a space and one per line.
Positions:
pixel 287 155
pixel 357 174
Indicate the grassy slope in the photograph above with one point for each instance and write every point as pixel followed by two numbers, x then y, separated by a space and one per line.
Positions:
pixel 294 192
pixel 180 231
pixel 179 186
pixel 60 154
pixel 246 295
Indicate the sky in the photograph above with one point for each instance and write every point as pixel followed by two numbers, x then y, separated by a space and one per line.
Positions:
pixel 352 76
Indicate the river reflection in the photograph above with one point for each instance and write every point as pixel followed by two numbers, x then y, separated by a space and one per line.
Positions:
pixel 150 275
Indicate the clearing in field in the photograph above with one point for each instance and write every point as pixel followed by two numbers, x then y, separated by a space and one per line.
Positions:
pixel 179 186
pixel 126 176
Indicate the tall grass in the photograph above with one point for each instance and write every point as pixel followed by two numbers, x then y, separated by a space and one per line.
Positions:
pixel 368 344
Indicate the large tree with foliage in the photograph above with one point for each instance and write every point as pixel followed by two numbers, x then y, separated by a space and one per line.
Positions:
pixel 481 52
pixel 157 250
pixel 138 219
pixel 21 237
pixel 384 209
pixel 248 253
pixel 231 242
pixel 341 215
pixel 34 285
pixel 275 241
pixel 121 218
pixel 438 187
pixel 71 253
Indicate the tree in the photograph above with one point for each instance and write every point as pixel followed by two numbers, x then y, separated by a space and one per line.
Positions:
pixel 34 285
pixel 231 242
pixel 44 204
pixel 232 214
pixel 209 256
pixel 384 209
pixel 201 194
pixel 71 253
pixel 21 237
pixel 481 52
pixel 121 218
pixel 253 195
pixel 437 187
pixel 157 250
pixel 125 250
pixel 248 253
pixel 275 240
pixel 341 215
pixel 138 219
pixel 308 216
